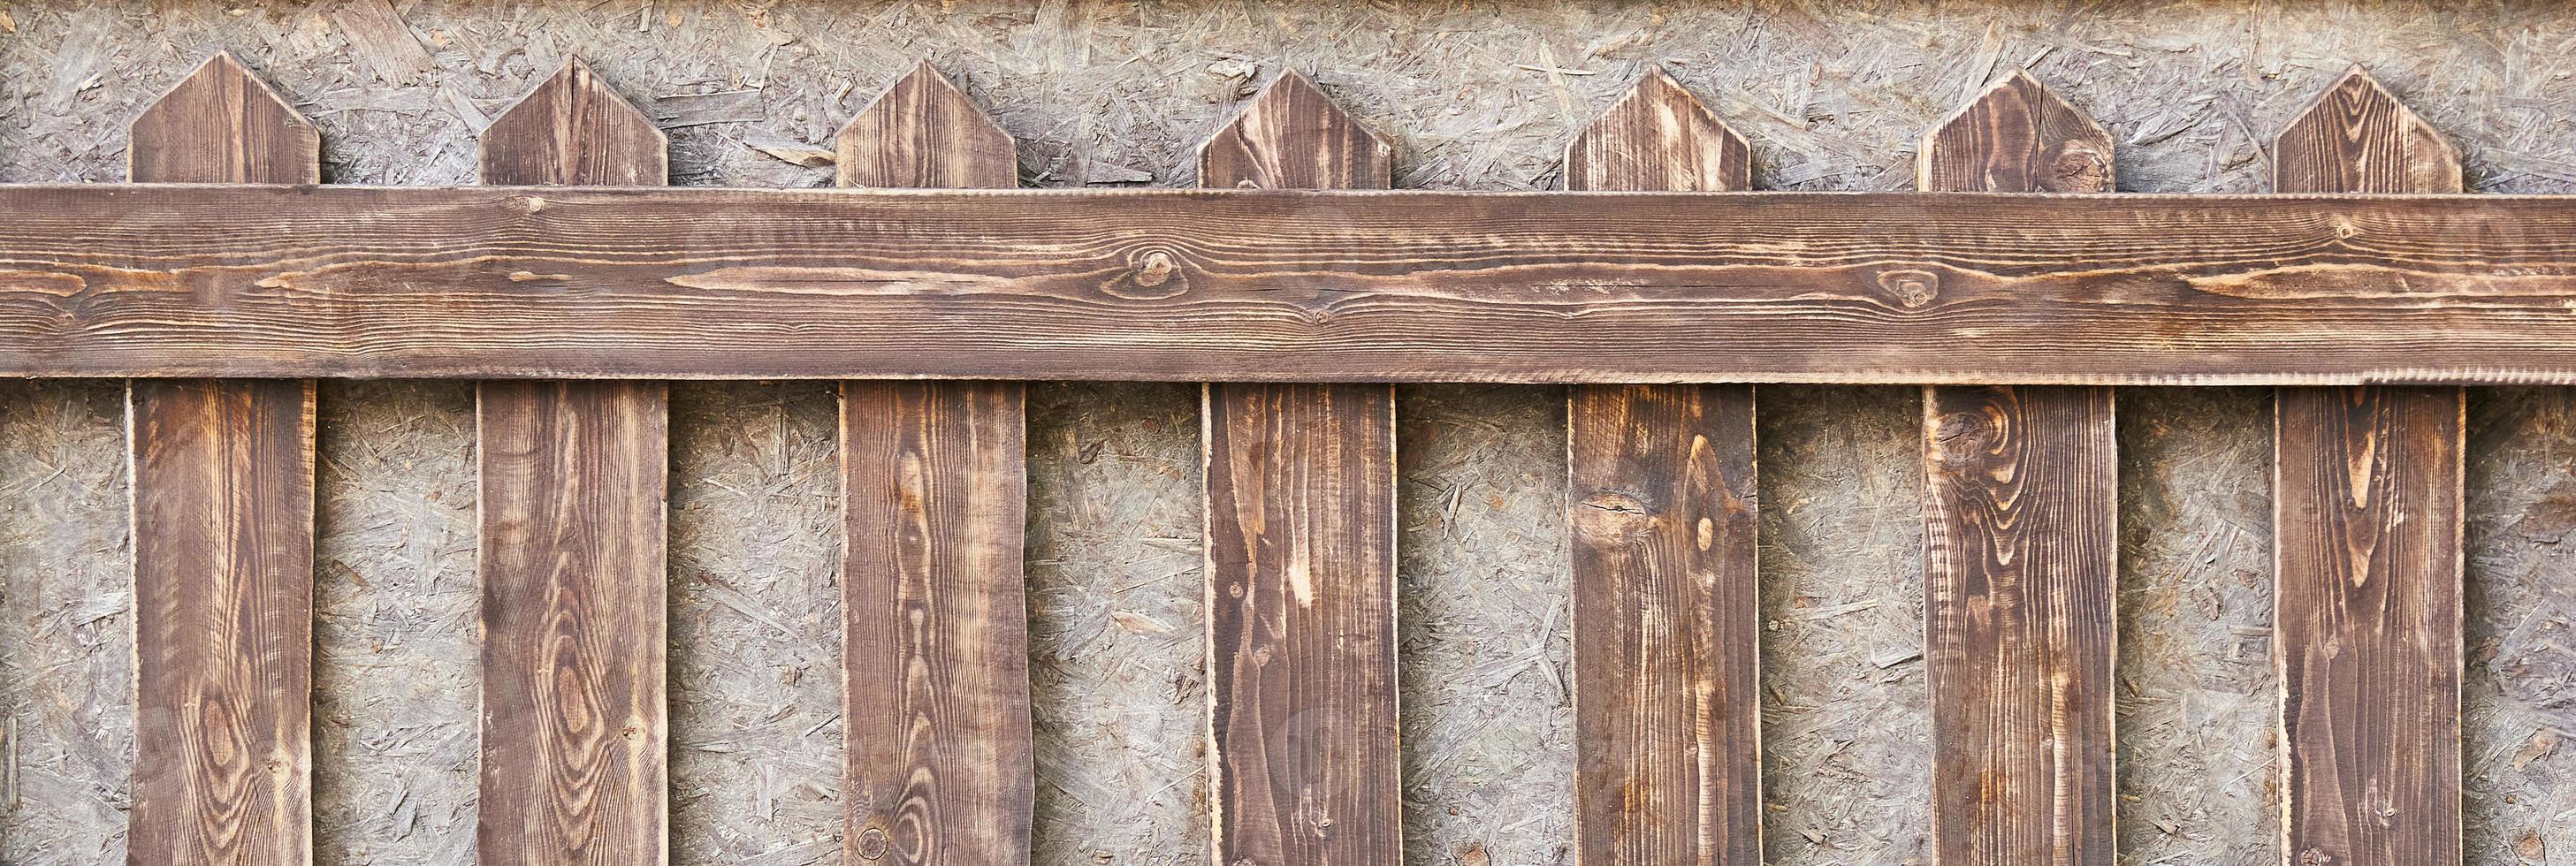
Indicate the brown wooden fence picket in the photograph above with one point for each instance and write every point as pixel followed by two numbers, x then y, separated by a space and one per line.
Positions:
pixel 1302 753
pixel 2020 546
pixel 574 478
pixel 2366 559
pixel 935 486
pixel 1667 637
pixel 223 538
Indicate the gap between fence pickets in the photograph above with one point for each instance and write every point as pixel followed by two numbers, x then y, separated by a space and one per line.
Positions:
pixel 1273 285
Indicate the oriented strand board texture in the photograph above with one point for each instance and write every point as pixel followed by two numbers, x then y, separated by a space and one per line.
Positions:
pixel 1472 96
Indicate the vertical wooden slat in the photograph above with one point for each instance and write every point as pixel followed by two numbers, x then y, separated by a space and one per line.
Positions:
pixel 573 481
pixel 1667 638
pixel 222 478
pixel 1302 753
pixel 2367 512
pixel 936 700
pixel 2020 543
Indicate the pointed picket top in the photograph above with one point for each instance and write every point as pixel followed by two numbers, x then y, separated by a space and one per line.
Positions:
pixel 1658 136
pixel 1292 136
pixel 2017 136
pixel 2357 137
pixel 924 132
pixel 573 129
pixel 221 124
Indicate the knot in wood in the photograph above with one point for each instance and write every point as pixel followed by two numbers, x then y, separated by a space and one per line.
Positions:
pixel 873 843
pixel 1960 436
pixel 1911 288
pixel 1155 269
pixel 525 204
pixel 2080 169
pixel 1153 273
pixel 1611 516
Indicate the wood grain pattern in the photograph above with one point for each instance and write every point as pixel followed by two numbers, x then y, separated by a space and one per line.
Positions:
pixel 2367 559
pixel 1286 285
pixel 222 477
pixel 1303 763
pixel 1667 637
pixel 2021 547
pixel 574 478
pixel 935 482
pixel 924 132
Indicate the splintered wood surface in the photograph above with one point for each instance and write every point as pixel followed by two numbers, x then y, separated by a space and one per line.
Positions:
pixel 1281 285
pixel 1303 761
pixel 2367 570
pixel 2021 547
pixel 1667 636
pixel 935 492
pixel 573 480
pixel 223 539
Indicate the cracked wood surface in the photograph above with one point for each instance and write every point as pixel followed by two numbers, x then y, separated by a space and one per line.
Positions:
pixel 1667 637
pixel 1286 285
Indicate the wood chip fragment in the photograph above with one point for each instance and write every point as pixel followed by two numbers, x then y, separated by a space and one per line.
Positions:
pixel 381 38
pixel 791 151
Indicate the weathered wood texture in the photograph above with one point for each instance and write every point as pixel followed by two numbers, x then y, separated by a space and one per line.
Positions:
pixel 573 481
pixel 935 484
pixel 1286 285
pixel 223 539
pixel 2367 568
pixel 1302 754
pixel 2021 547
pixel 1667 638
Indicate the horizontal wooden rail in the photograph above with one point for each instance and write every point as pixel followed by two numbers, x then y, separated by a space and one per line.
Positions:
pixel 1272 285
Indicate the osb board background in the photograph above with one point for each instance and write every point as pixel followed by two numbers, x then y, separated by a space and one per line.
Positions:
pixel 1475 96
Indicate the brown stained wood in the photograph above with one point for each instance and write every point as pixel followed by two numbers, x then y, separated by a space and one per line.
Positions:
pixel 222 478
pixel 573 481
pixel 1286 285
pixel 1658 137
pixel 1303 762
pixel 1292 136
pixel 1667 637
pixel 936 696
pixel 2015 137
pixel 2367 569
pixel 924 132
pixel 223 125
pixel 2021 529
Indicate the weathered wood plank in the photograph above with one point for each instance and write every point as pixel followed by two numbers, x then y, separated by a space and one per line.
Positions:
pixel 1302 753
pixel 2367 516
pixel 1287 285
pixel 1667 637
pixel 935 483
pixel 223 538
pixel 2021 546
pixel 574 477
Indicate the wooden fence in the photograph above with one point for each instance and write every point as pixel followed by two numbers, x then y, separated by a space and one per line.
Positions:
pixel 2014 285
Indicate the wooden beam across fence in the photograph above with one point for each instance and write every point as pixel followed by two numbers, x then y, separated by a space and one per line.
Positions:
pixel 1284 285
